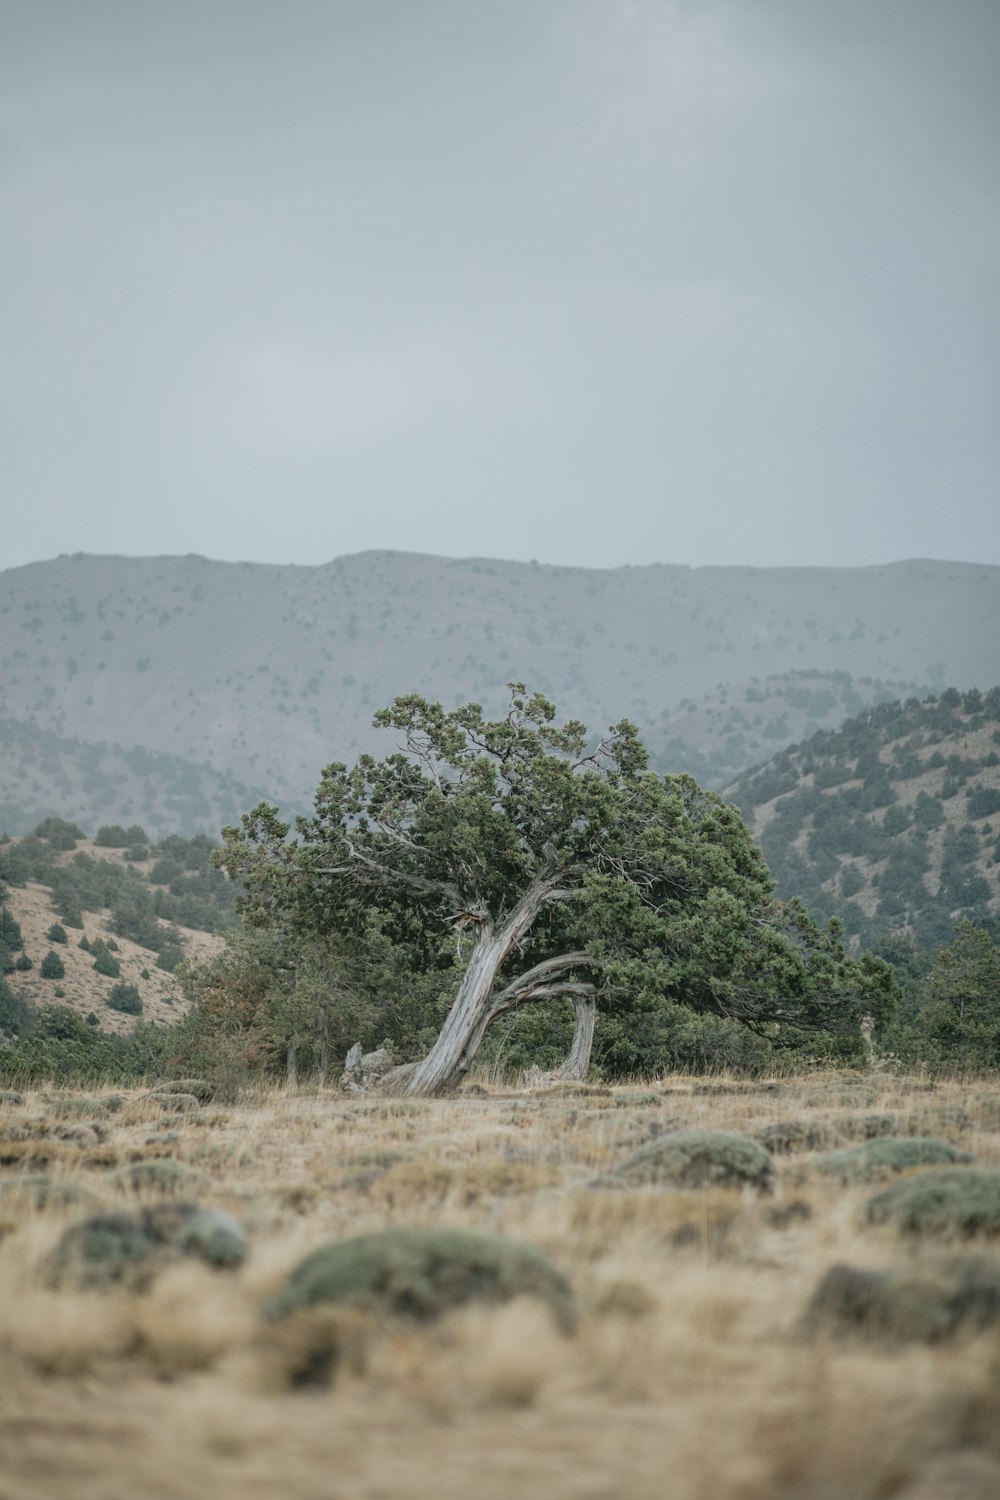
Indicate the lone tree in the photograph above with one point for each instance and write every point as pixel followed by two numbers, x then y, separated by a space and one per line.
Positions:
pixel 555 872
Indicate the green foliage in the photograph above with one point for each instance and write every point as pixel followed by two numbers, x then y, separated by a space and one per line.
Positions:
pixel 57 933
pixel 947 1202
pixel 904 1304
pixel 115 1249
pixel 113 836
pixel 58 834
pixel 58 1047
pixel 419 1274
pixel 126 998
pixel 647 891
pixel 52 966
pixel 16 1013
pixel 198 1088
pixel 949 1015
pixel 106 963
pixel 827 798
pixel 269 992
pixel 197 896
pixel 162 1175
pixel 11 938
pixel 888 1155
pixel 698 1158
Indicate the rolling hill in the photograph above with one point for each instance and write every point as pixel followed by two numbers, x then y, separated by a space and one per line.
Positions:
pixel 263 674
pixel 892 822
pixel 739 724
pixel 115 913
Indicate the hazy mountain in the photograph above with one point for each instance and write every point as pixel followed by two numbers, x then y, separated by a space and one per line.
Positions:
pixel 266 673
pixel 892 822
pixel 44 774
pixel 739 724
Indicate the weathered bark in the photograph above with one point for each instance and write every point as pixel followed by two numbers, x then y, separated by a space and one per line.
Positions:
pixel 323 1027
pixel 477 1004
pixel 292 1064
pixel 577 1060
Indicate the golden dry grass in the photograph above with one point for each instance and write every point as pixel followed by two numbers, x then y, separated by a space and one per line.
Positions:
pixel 688 1375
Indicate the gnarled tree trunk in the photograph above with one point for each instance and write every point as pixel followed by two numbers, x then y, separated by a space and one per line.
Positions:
pixel 577 1060
pixel 478 1002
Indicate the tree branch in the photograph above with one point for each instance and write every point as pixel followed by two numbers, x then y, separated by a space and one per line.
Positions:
pixel 526 986
pixel 387 875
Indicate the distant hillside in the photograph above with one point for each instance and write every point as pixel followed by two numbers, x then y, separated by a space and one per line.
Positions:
pixel 44 774
pixel 739 724
pixel 892 822
pixel 266 673
pixel 115 914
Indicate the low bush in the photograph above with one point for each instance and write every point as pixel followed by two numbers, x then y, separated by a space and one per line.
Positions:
pixel 888 1155
pixel 421 1273
pixel 905 1304
pixel 697 1158
pixel 201 1089
pixel 52 966
pixel 125 998
pixel 164 1176
pixel 944 1201
pixel 111 1249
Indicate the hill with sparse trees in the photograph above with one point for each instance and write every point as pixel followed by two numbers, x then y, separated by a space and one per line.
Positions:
pixel 890 823
pixel 263 674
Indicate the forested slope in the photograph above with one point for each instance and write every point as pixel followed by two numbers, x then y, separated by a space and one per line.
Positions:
pixel 891 823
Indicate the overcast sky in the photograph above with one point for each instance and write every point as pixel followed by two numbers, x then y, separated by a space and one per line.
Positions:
pixel 589 281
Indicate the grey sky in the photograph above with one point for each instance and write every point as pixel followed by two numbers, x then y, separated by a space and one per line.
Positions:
pixel 592 281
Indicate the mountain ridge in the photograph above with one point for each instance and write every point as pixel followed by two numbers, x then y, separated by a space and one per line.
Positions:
pixel 267 672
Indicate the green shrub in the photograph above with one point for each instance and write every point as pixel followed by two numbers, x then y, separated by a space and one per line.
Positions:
pixel 11 936
pixel 75 1108
pixel 907 1303
pixel 421 1273
pixel 697 1158
pixel 943 1201
pixel 782 1137
pixel 887 1155
pixel 126 998
pixel 59 1046
pixel 52 966
pixel 102 1251
pixel 24 963
pixel 166 1176
pixel 109 1249
pixel 114 836
pixel 106 963
pixel 57 933
pixel 58 834
pixel 173 1103
pixel 202 1090
pixel 16 1013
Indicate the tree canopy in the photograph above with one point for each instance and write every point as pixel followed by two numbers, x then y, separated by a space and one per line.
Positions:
pixel 533 867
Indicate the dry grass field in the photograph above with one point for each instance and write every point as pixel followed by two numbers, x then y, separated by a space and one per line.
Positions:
pixel 690 1369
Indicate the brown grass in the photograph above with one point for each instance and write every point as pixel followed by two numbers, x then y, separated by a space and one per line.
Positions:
pixel 688 1375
